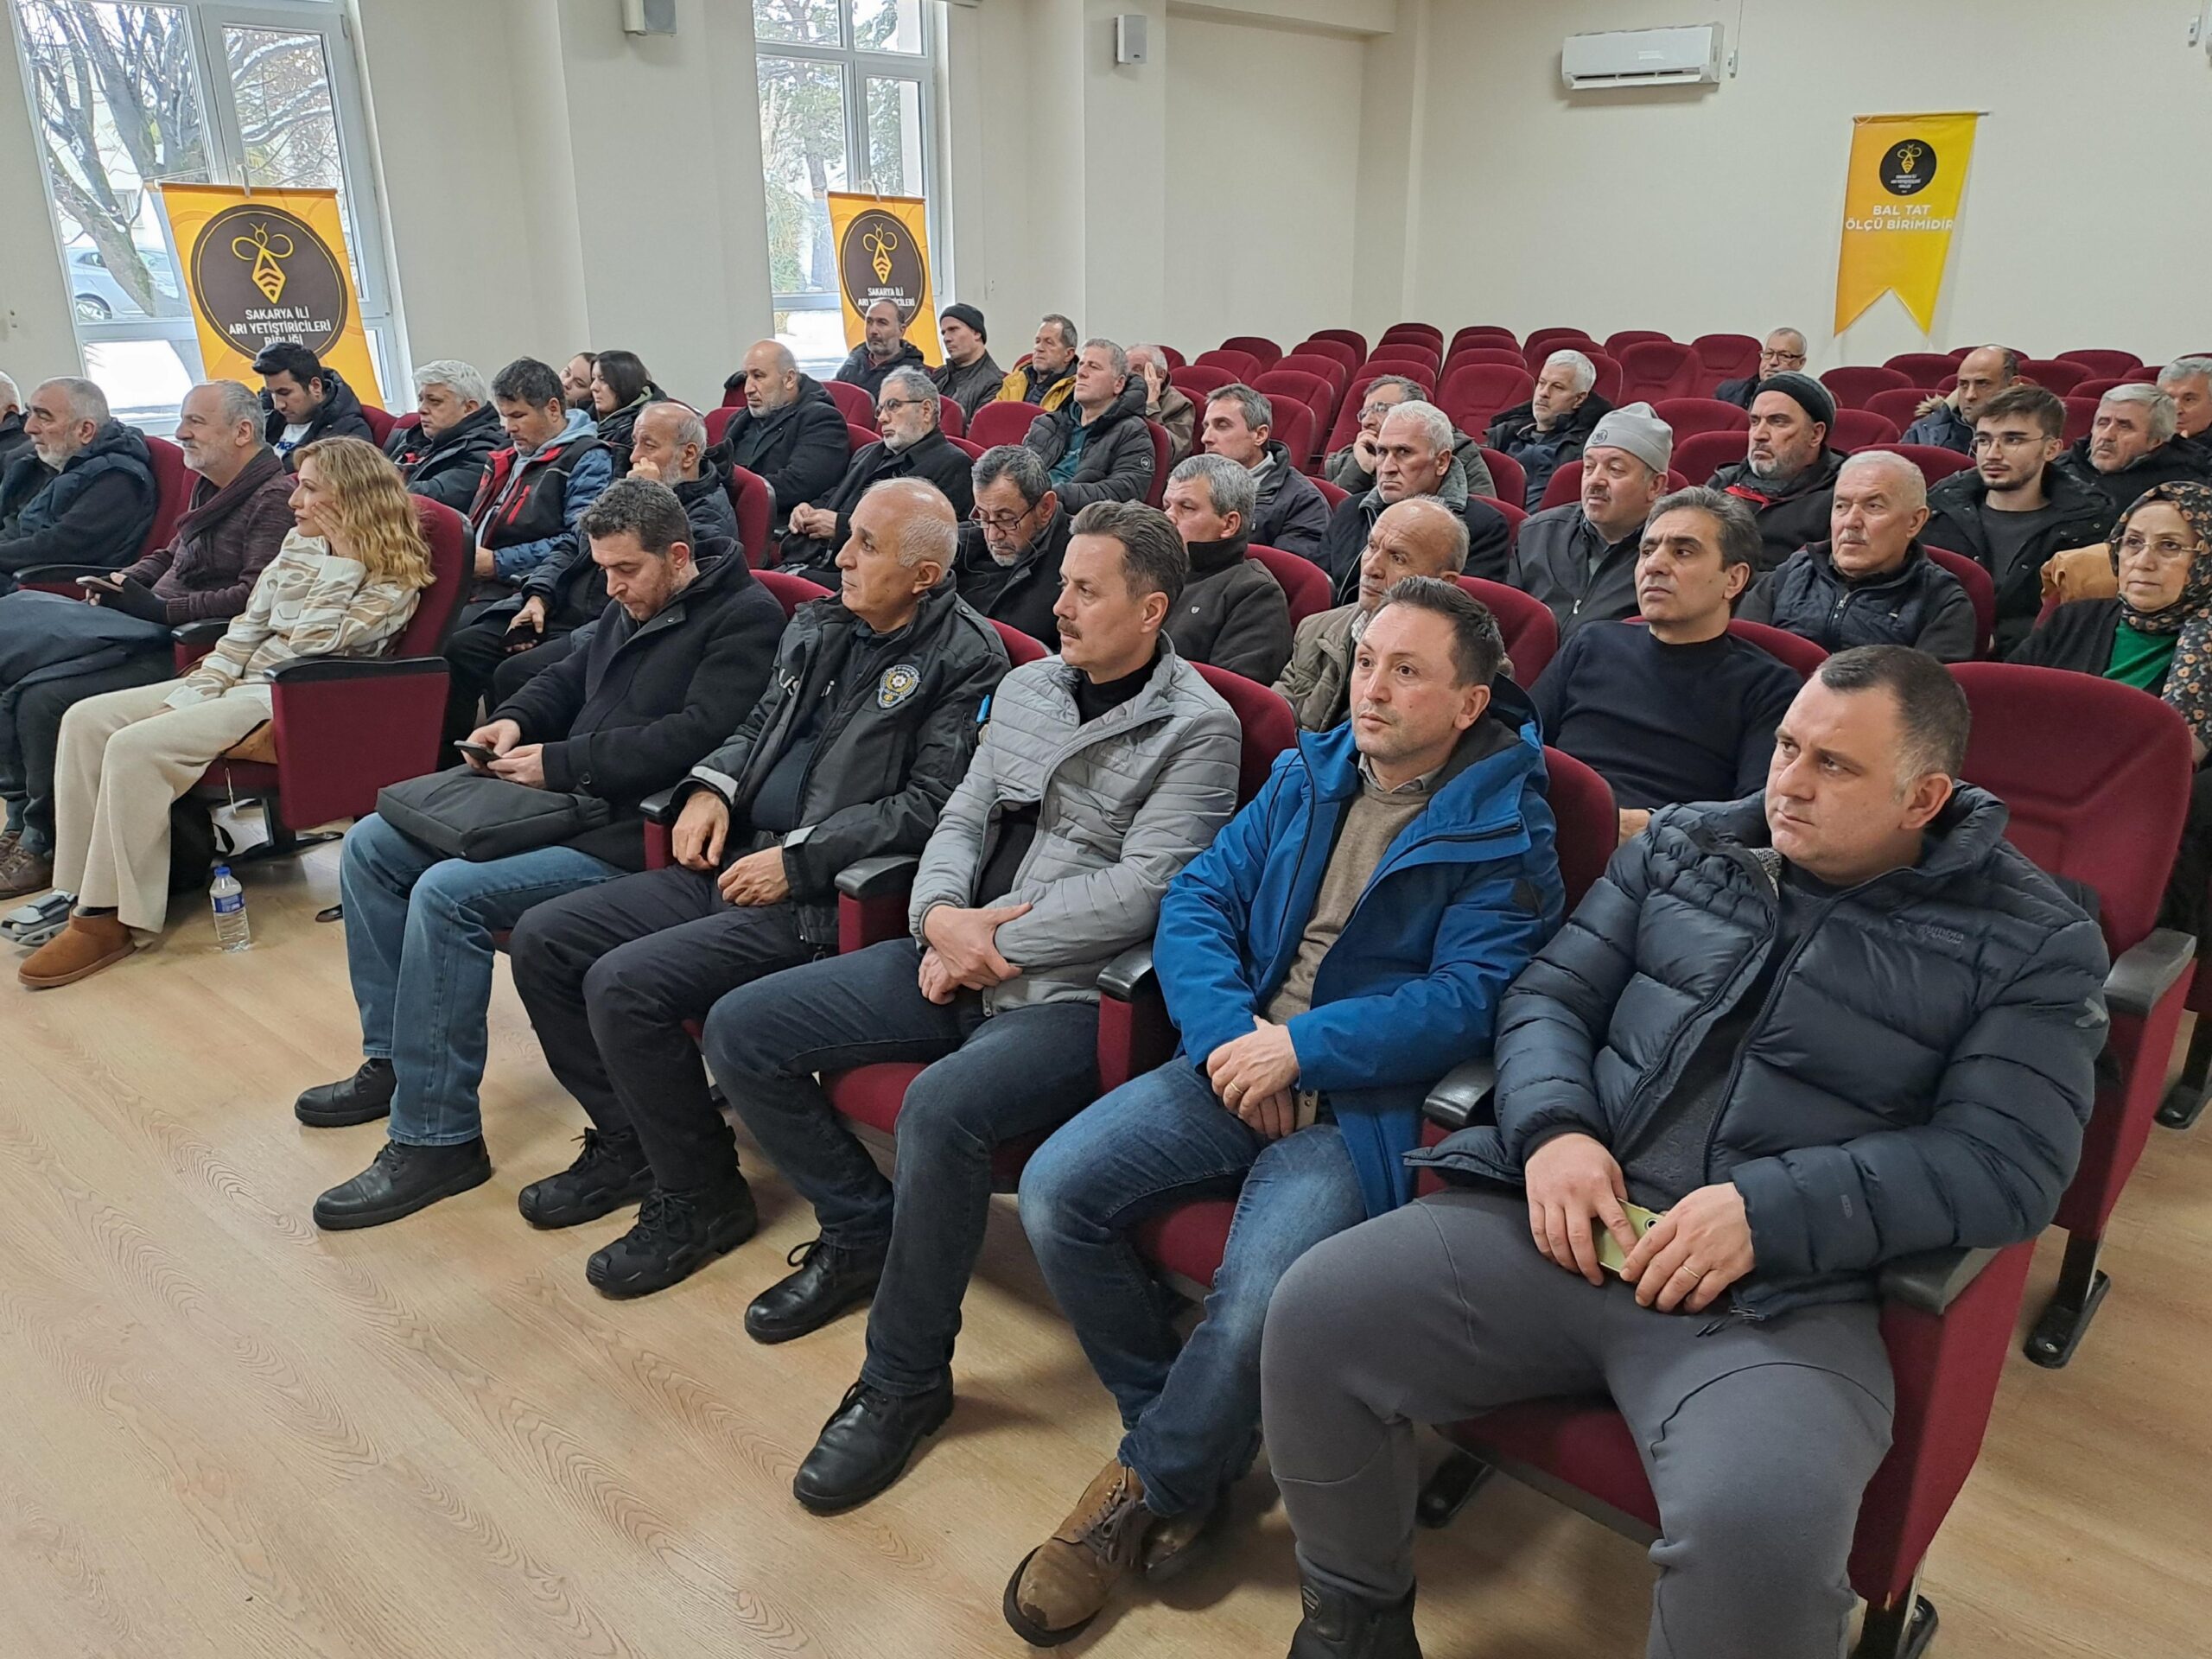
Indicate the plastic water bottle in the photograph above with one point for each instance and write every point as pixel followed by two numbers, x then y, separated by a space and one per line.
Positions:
pixel 232 930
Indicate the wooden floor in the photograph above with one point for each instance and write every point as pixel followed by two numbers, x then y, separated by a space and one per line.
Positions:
pixel 228 1434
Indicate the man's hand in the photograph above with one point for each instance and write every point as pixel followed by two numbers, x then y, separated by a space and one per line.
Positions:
pixel 757 879
pixel 701 829
pixel 487 564
pixel 937 984
pixel 1694 1252
pixel 1362 450
pixel 525 764
pixel 1633 823
pixel 639 468
pixel 1270 1116
pixel 528 620
pixel 1250 1070
pixel 499 737
pixel 966 944
pixel 1571 1178
pixel 1155 382
pixel 818 524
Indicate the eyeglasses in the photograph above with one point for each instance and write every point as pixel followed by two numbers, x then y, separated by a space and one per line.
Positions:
pixel 2166 550
pixel 1782 357
pixel 892 405
pixel 997 520
pixel 2006 440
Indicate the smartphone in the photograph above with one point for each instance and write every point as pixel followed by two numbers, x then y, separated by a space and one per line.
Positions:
pixel 1611 1256
pixel 105 584
pixel 476 751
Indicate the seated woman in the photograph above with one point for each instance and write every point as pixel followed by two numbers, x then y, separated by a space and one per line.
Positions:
pixel 344 585
pixel 621 389
pixel 2156 635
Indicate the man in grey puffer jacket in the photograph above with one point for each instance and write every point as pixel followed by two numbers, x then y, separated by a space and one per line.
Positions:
pixel 1100 773
pixel 1817 1032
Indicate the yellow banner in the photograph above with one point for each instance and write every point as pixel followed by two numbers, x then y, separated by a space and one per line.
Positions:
pixel 883 253
pixel 268 266
pixel 1901 205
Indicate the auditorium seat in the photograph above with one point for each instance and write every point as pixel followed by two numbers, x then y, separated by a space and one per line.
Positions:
pixel 1312 389
pixel 1854 384
pixel 1350 337
pixel 1539 348
pixel 1175 359
pixel 2081 416
pixel 1463 355
pixel 860 436
pixel 1653 371
pixel 1515 515
pixel 1981 593
pixel 380 422
pixel 1331 369
pixel 1688 416
pixel 754 503
pixel 1621 340
pixel 1335 495
pixel 1799 655
pixel 1404 357
pixel 1485 333
pixel 1199 381
pixel 1564 485
pixel 1899 405
pixel 1923 369
pixel 1935 462
pixel 951 420
pixel 967 447
pixel 1507 475
pixel 1699 456
pixel 173 482
pixel 1475 394
pixel 1259 348
pixel 1726 357
pixel 1331 342
pixel 1297 428
pixel 1530 629
pixel 1162 448
pixel 1305 584
pixel 1608 384
pixel 1427 333
pixel 853 402
pixel 2098 361
pixel 2055 374
pixel 2095 387
pixel 1242 365
pixel 718 422
pixel 1859 429
pixel 996 424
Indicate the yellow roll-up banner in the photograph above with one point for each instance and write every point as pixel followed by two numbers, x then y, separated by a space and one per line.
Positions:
pixel 267 266
pixel 1899 209
pixel 883 253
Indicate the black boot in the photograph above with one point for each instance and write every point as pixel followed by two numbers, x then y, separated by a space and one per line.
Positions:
pixel 831 1278
pixel 1340 1626
pixel 362 1098
pixel 865 1445
pixel 402 1180
pixel 677 1234
pixel 610 1172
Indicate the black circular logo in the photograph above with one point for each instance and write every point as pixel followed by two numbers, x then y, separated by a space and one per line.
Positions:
pixel 1907 166
pixel 261 275
pixel 879 262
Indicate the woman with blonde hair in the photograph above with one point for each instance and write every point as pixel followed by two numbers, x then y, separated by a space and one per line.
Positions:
pixel 344 585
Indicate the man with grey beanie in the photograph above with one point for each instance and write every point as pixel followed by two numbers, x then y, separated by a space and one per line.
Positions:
pixel 1580 558
pixel 1788 474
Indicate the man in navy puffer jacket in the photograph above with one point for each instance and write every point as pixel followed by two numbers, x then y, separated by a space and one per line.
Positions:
pixel 1817 1032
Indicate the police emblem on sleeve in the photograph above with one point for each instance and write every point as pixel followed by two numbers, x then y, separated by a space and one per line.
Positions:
pixel 898 684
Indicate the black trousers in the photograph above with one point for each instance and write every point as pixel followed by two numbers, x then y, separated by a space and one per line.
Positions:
pixel 610 974
pixel 514 672
pixel 2191 885
pixel 31 733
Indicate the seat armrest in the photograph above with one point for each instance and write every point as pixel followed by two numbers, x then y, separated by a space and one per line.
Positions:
pixel 205 633
pixel 65 572
pixel 2139 982
pixel 878 877
pixel 1463 1096
pixel 1128 975
pixel 1932 1280
pixel 659 807
pixel 316 670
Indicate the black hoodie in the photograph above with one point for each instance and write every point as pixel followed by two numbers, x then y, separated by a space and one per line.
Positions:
pixel 339 416
pixel 449 468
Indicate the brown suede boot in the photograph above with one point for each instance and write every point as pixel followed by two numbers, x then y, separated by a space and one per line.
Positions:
pixel 79 950
pixel 1062 1584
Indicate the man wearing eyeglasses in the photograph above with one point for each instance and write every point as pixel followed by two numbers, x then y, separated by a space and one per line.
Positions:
pixel 907 413
pixel 1008 567
pixel 1783 354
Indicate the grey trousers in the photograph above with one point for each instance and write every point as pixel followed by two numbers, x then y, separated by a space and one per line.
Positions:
pixel 1758 1438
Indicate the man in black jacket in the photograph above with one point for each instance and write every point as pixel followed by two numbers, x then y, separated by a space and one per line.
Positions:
pixel 1412 456
pixel 444 456
pixel 908 412
pixel 1552 427
pixel 1097 446
pixel 792 433
pixel 83 493
pixel 1815 1033
pixel 2132 445
pixel 1783 354
pixel 1580 558
pixel 968 377
pixel 305 400
pixel 1290 514
pixel 678 657
pixel 1232 614
pixel 14 441
pixel 886 347
pixel 866 725
pixel 1788 473
pixel 1008 566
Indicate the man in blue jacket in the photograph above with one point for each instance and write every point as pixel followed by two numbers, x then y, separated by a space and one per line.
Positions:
pixel 1815 1032
pixel 1349 933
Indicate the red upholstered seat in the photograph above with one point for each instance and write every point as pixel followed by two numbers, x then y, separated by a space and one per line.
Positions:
pixel 1461 356
pixel 173 482
pixel 950 418
pixel 754 503
pixel 972 450
pixel 1162 448
pixel 1304 583
pixel 1923 369
pixel 1475 394
pixel 2081 416
pixel 1347 348
pixel 1899 405
pixel 1507 475
pixel 853 403
pixel 1427 333
pixel 1621 339
pixel 380 422
pixel 1242 365
pixel 1483 333
pixel 1406 356
pixel 1860 428
pixel 996 424
pixel 1935 462
pixel 1703 453
pixel 1657 369
pixel 718 421
pixel 1794 651
pixel 2055 374
pixel 1316 392
pixel 1199 381
pixel 1297 428
pixel 1259 348
pixel 1853 384
pixel 1348 411
pixel 1332 369
pixel 1531 630
pixel 1981 593
pixel 859 436
pixel 1688 416
pixel 1726 357
pixel 2120 364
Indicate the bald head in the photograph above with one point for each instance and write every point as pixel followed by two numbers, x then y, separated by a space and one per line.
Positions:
pixel 883 326
pixel 904 536
pixel 1417 536
pixel 771 376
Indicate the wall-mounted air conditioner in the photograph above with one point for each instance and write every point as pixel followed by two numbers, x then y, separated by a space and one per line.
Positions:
pixel 1641 57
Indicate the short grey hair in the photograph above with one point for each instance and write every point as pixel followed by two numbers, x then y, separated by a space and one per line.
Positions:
pixel 1585 372
pixel 1252 405
pixel 1066 327
pixel 88 403
pixel 1018 464
pixel 922 535
pixel 1436 425
pixel 236 403
pixel 919 386
pixel 1230 487
pixel 1116 359
pixel 690 426
pixel 460 378
pixel 1155 353
pixel 1797 334
pixel 1913 483
pixel 1415 392
pixel 8 395
pixel 2165 418
pixel 2182 368
pixel 1739 531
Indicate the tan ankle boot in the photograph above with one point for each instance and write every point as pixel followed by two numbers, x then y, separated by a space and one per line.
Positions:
pixel 1062 1584
pixel 79 950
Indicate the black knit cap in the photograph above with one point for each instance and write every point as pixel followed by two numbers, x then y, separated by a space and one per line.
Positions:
pixel 972 317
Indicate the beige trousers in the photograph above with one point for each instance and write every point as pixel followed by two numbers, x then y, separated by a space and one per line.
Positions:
pixel 122 760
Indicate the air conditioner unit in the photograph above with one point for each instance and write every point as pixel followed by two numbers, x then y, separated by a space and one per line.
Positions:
pixel 1641 57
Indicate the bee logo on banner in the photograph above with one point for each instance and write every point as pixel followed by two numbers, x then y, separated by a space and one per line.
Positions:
pixel 1900 207
pixel 883 253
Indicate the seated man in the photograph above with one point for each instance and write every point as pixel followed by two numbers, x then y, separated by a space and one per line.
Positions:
pixel 1783 354
pixel 1418 537
pixel 1788 475
pixel 883 348
pixel 868 721
pixel 1352 468
pixel 1678 709
pixel 791 433
pixel 1101 773
pixel 1947 422
pixel 1008 567
pixel 1045 377
pixel 14 441
pixel 2187 380
pixel 1096 447
pixel 1871 582
pixel 305 401
pixel 671 667
pixel 2013 508
pixel 444 456
pixel 968 377
pixel 1413 457
pixel 1317 992
pixel 1887 1021
pixel 1163 404
pixel 52 660
pixel 908 412
pixel 1290 513
pixel 1580 559
pixel 1233 613
pixel 2132 445
pixel 84 492
pixel 1552 427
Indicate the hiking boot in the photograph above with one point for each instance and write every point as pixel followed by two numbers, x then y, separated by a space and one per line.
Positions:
pixel 1062 1583
pixel 402 1180
pixel 362 1098
pixel 866 1444
pixel 24 872
pixel 1338 1626
pixel 609 1173
pixel 831 1278
pixel 676 1235
pixel 87 945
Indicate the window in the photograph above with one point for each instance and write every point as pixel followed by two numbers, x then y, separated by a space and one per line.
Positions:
pixel 215 92
pixel 848 100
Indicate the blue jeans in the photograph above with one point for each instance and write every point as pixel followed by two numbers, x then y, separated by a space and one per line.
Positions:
pixel 418 944
pixel 1191 1410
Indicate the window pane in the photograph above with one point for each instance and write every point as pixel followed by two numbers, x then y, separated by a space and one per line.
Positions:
pixel 887 25
pixel 894 135
pixel 811 23
pixel 281 84
pixel 803 149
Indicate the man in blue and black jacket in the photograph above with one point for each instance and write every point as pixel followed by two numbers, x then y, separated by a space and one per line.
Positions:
pixel 1349 932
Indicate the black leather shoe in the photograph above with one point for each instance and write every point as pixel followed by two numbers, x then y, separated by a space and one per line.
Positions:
pixel 677 1234
pixel 1338 1626
pixel 866 1444
pixel 402 1180
pixel 362 1098
pixel 610 1172
pixel 831 1278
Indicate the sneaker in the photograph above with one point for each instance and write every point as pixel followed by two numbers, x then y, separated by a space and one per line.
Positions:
pixel 1062 1583
pixel 402 1180
pixel 677 1234
pixel 24 872
pixel 609 1173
